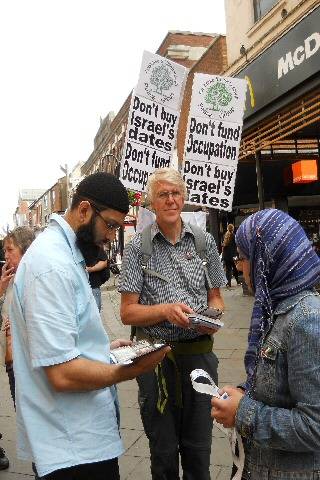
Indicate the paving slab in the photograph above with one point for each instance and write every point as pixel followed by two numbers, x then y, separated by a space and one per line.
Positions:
pixel 223 474
pixel 8 475
pixel 128 465
pixel 17 466
pixel 221 453
pixel 140 448
pixel 141 471
pixel 130 437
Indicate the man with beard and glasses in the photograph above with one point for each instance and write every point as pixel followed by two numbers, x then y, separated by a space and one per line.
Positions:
pixel 66 415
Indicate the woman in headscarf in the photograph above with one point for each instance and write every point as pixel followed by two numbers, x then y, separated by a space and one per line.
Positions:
pixel 277 409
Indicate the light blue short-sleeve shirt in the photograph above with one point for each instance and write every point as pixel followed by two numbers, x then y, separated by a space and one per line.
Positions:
pixel 55 319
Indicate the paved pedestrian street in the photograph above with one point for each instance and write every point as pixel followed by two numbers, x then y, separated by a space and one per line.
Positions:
pixel 229 346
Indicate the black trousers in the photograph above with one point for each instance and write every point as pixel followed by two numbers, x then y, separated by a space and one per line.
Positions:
pixel 12 383
pixel 106 470
pixel 184 430
pixel 231 269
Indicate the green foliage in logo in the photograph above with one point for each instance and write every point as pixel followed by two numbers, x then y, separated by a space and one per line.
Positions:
pixel 218 96
pixel 161 79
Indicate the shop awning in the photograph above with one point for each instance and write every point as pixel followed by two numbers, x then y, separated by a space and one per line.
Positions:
pixel 293 130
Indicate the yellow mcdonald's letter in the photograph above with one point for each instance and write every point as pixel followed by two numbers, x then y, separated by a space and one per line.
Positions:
pixel 252 99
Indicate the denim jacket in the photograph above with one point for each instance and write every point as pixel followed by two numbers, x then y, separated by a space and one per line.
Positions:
pixel 280 421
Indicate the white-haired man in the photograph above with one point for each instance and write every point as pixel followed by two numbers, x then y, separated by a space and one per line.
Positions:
pixel 156 297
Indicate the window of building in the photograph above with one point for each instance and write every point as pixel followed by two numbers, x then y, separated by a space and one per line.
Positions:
pixel 261 7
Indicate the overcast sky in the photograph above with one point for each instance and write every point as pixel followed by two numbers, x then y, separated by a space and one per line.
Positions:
pixel 65 63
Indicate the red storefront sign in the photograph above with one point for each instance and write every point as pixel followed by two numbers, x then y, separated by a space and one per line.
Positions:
pixel 304 171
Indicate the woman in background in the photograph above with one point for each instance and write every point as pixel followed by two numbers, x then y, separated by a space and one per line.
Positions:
pixel 229 251
pixel 15 245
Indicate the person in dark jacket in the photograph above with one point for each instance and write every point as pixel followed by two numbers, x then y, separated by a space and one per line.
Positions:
pixel 229 251
pixel 99 272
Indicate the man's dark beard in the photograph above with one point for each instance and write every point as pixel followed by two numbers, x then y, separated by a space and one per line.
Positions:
pixel 86 241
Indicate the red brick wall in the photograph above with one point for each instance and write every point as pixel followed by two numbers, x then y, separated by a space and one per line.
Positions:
pixel 23 207
pixel 188 39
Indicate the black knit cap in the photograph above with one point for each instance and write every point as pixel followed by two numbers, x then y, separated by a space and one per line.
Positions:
pixel 105 190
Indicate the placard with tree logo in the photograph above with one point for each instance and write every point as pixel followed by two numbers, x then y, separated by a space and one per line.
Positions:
pixel 153 120
pixel 212 140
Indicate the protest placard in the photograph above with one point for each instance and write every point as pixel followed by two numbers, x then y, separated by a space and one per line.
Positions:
pixel 212 140
pixel 153 120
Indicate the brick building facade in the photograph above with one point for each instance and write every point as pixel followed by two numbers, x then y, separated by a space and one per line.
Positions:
pixel 53 200
pixel 26 197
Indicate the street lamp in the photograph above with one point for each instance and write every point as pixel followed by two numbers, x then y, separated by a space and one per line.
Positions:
pixel 66 172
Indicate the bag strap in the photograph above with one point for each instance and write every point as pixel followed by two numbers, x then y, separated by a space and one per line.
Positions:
pixel 201 249
pixel 146 245
pixel 146 252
